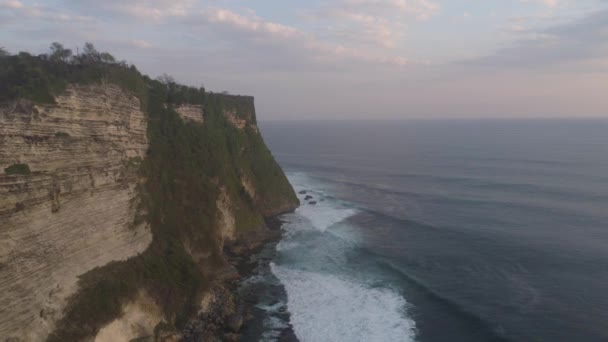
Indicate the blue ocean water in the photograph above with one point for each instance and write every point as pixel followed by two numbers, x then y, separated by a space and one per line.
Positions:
pixel 444 230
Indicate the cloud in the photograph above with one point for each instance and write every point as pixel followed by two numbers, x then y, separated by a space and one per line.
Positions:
pixel 246 30
pixel 250 23
pixel 548 3
pixel 13 4
pixel 578 40
pixel 154 10
pixel 421 9
pixel 141 44
pixel 40 12
pixel 360 27
pixel 380 23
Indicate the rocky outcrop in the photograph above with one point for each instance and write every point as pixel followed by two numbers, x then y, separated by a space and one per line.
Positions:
pixel 220 317
pixel 248 186
pixel 226 224
pixel 77 208
pixel 241 122
pixel 189 112
pixel 138 320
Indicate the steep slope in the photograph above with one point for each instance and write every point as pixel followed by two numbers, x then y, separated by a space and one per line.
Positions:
pixel 121 193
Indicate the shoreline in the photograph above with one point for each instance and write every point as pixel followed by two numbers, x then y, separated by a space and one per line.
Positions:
pixel 231 311
pixel 257 264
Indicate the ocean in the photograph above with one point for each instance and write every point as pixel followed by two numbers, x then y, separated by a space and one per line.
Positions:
pixel 438 230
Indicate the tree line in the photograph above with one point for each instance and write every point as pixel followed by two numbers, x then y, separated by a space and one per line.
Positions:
pixel 58 53
pixel 40 78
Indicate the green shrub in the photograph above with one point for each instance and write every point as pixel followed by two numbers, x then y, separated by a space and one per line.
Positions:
pixel 18 169
pixel 62 135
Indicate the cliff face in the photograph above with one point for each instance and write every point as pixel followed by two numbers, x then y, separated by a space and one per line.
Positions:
pixel 76 210
pixel 116 206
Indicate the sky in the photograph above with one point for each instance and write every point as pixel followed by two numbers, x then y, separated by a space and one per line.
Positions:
pixel 349 59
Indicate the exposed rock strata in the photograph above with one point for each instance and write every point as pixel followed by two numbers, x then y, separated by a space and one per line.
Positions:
pixel 190 112
pixel 227 224
pixel 76 210
pixel 248 186
pixel 138 320
pixel 240 122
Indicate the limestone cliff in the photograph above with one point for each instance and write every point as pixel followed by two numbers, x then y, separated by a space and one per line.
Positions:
pixel 76 210
pixel 118 198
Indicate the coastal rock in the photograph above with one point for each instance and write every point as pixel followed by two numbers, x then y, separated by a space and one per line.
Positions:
pixel 219 313
pixel 308 197
pixel 312 202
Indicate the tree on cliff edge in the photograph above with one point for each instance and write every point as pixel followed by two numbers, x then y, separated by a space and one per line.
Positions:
pixel 90 55
pixel 59 53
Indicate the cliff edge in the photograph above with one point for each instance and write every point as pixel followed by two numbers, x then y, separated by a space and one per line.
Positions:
pixel 119 197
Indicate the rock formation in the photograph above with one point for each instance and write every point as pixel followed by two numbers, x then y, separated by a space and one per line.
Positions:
pixel 190 112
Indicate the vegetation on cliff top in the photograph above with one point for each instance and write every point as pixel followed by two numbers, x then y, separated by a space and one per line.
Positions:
pixel 41 78
pixel 186 167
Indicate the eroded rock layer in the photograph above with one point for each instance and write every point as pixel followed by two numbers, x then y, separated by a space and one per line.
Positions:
pixel 77 208
pixel 190 112
pixel 139 318
pixel 240 122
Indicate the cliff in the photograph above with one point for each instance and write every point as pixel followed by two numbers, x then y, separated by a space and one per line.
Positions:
pixel 74 211
pixel 119 197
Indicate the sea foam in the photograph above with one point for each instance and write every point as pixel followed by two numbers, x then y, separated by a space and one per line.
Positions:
pixel 328 308
pixel 323 214
pixel 325 302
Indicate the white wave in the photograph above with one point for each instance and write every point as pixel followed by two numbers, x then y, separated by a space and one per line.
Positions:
pixel 323 214
pixel 327 308
pixel 274 328
pixel 287 245
pixel 299 181
pixel 271 308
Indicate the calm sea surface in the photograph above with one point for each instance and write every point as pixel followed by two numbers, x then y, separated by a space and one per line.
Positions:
pixel 443 231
